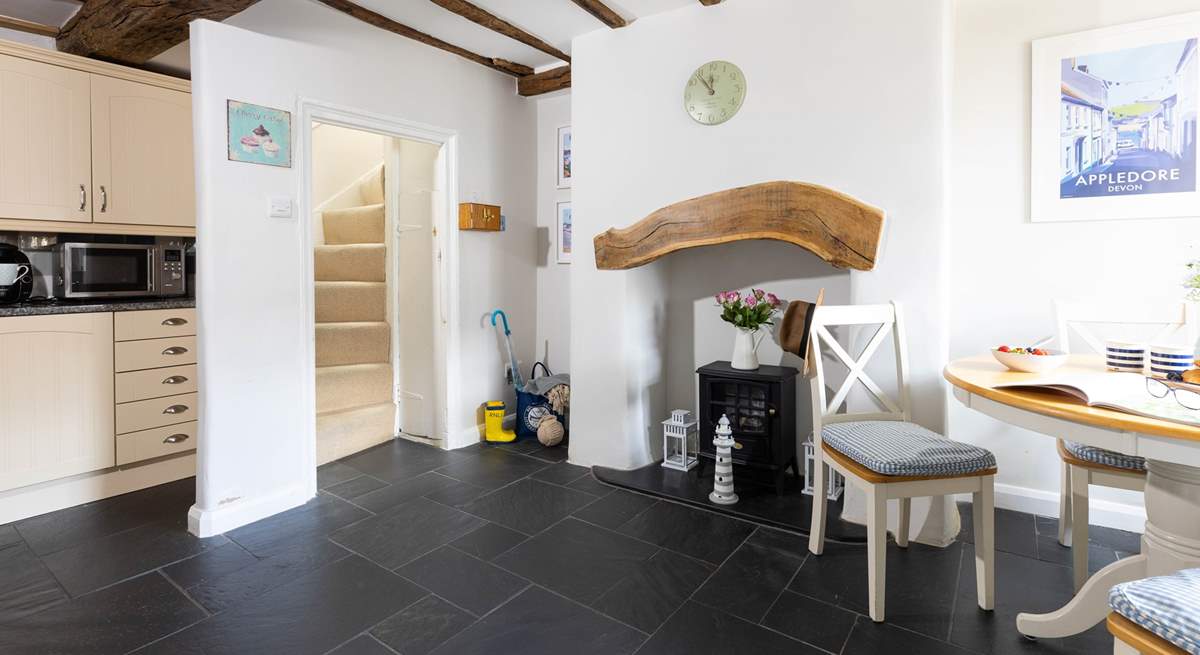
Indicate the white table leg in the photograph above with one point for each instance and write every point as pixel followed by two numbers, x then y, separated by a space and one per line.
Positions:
pixel 1088 607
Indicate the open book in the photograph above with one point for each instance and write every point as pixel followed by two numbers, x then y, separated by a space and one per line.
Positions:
pixel 1123 392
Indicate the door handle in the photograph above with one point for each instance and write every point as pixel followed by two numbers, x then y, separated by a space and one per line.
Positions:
pixel 175 409
pixel 175 322
pixel 175 350
pixel 103 199
pixel 176 438
pixel 82 197
pixel 175 379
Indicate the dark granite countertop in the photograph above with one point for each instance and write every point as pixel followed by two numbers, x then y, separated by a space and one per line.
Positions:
pixel 41 308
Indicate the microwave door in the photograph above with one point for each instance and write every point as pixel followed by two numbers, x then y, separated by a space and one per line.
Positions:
pixel 109 270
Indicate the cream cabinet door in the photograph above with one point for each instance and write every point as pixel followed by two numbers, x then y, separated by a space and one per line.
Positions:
pixel 45 142
pixel 56 397
pixel 141 154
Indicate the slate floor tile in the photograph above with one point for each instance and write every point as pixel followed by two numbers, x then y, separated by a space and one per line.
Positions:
pixel 466 581
pixel 355 487
pixel 694 532
pixel 26 585
pixel 1015 531
pixel 519 447
pixel 100 562
pixel 577 559
pixel 488 541
pixel 696 628
pixel 1049 550
pixel 870 638
pixel 492 469
pixel 456 493
pixel 561 473
pixel 1118 540
pixel 749 581
pixel 313 520
pixel 422 626
pixel 385 498
pixel 528 506
pixel 9 535
pixel 588 484
pixel 556 454
pixel 538 622
pixel 308 616
pixel 335 473
pixel 811 621
pixel 655 589
pixel 210 565
pixel 113 620
pixel 400 459
pixel 406 532
pixel 250 581
pixel 615 508
pixel 362 645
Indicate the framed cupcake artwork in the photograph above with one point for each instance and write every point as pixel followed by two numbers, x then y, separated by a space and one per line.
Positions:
pixel 259 135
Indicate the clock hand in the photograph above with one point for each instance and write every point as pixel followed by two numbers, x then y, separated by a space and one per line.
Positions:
pixel 711 80
pixel 706 84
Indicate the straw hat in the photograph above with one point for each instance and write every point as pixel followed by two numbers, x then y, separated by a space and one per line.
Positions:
pixel 797 322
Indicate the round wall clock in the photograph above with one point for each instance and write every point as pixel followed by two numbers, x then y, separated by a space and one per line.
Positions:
pixel 714 93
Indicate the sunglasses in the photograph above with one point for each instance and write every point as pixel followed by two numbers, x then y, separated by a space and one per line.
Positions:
pixel 1186 397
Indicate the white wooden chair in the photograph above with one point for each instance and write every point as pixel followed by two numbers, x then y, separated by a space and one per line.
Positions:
pixel 888 455
pixel 1085 465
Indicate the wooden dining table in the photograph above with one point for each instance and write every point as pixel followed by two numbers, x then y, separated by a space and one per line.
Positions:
pixel 1171 540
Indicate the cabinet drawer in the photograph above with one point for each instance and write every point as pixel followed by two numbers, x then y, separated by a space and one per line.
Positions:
pixel 148 444
pixel 155 353
pixel 146 414
pixel 154 324
pixel 155 383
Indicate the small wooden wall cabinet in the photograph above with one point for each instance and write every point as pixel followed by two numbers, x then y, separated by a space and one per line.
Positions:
pixel 475 216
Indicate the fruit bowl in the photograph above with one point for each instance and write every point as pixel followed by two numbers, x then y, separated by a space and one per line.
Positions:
pixel 1026 361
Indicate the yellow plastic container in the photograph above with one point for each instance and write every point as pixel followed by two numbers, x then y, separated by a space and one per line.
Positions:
pixel 493 421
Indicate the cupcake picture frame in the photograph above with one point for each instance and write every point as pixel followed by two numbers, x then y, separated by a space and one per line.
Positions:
pixel 259 135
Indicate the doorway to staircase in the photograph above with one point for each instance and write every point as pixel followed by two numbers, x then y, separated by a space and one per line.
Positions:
pixel 380 326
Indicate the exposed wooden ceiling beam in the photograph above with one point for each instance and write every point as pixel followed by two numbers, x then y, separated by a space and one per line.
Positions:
pixel 709 3
pixel 135 31
pixel 28 26
pixel 603 13
pixel 554 79
pixel 383 22
pixel 496 24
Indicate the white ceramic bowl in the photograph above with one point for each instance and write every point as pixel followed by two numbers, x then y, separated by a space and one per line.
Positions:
pixel 1031 363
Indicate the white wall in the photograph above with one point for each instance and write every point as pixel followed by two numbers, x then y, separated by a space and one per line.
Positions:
pixel 250 291
pixel 341 157
pixel 863 115
pixel 1005 270
pixel 553 344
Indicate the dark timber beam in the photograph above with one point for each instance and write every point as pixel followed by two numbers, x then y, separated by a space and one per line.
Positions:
pixel 496 24
pixel 135 31
pixel 709 3
pixel 603 13
pixel 29 27
pixel 383 22
pixel 554 79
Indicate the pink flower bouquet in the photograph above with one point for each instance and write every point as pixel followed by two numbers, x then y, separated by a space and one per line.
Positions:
pixel 750 311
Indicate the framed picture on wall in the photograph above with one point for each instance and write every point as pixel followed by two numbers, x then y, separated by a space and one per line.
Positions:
pixel 564 232
pixel 564 157
pixel 1114 122
pixel 258 135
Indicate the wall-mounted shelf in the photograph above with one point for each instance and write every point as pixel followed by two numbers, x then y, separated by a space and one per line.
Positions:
pixel 476 216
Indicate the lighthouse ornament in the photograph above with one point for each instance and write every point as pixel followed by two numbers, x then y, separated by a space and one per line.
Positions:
pixel 722 493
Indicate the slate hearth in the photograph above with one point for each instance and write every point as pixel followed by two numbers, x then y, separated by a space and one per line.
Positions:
pixel 497 550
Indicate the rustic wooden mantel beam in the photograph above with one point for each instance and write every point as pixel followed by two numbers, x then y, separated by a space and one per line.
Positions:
pixel 493 22
pixel 841 230
pixel 603 13
pixel 135 31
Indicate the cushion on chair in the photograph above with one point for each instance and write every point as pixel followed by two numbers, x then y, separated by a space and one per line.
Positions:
pixel 1166 605
pixel 1105 457
pixel 905 449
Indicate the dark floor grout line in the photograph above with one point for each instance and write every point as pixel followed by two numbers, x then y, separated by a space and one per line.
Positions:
pixel 594 610
pixel 184 592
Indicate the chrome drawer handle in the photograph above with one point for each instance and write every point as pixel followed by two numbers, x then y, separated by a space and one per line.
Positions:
pixel 175 322
pixel 103 199
pixel 82 197
pixel 175 409
pixel 176 438
pixel 175 379
pixel 175 350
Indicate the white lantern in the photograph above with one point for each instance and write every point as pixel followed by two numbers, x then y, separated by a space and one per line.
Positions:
pixel 681 441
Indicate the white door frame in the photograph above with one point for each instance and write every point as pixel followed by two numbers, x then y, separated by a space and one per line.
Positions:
pixel 446 337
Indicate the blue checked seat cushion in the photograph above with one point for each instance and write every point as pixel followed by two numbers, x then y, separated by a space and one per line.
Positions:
pixel 905 449
pixel 1167 605
pixel 1105 457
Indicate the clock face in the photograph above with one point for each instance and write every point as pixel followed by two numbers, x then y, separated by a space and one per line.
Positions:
pixel 714 93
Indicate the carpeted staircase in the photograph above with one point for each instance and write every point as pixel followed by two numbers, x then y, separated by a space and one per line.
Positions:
pixel 354 370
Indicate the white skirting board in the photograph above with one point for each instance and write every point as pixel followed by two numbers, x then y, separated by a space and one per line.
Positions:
pixel 51 496
pixel 1045 503
pixel 212 522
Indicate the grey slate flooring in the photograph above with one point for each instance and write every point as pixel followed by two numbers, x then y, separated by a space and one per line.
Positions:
pixel 495 550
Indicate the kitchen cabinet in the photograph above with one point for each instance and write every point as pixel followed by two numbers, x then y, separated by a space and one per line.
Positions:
pixel 157 402
pixel 141 154
pixel 56 397
pixel 45 142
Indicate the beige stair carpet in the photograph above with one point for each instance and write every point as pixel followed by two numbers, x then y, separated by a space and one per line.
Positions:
pixel 354 225
pixel 339 302
pixel 355 342
pixel 353 262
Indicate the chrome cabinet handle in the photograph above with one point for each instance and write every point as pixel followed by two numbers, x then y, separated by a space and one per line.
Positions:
pixel 175 379
pixel 176 438
pixel 175 350
pixel 82 197
pixel 175 409
pixel 103 199
pixel 175 322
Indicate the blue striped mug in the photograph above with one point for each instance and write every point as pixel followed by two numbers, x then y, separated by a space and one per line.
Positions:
pixel 1165 359
pixel 1125 356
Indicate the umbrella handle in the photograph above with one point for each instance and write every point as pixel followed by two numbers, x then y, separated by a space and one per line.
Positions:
pixel 502 318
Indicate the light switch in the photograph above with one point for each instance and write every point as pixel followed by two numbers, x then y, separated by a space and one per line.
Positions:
pixel 279 207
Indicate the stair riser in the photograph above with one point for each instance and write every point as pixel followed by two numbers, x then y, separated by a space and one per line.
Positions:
pixel 340 388
pixel 345 303
pixel 344 433
pixel 355 225
pixel 358 264
pixel 359 344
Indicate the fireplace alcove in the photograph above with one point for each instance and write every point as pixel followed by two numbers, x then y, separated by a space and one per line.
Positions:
pixel 736 239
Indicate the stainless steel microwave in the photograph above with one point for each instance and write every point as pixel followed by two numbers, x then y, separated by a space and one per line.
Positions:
pixel 120 270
